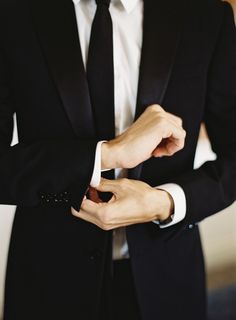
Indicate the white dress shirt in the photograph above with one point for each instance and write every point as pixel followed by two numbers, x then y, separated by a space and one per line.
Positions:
pixel 127 19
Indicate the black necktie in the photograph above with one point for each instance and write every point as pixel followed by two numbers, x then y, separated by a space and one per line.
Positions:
pixel 100 72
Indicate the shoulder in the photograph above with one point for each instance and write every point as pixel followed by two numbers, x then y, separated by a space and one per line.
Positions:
pixel 208 15
pixel 221 13
pixel 220 8
pixel 210 7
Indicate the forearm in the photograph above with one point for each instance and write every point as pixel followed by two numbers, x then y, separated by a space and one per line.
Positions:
pixel 35 174
pixel 209 189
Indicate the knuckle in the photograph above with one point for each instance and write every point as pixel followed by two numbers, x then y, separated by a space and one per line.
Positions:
pixel 155 108
pixel 159 108
pixel 152 108
pixel 105 227
pixel 180 121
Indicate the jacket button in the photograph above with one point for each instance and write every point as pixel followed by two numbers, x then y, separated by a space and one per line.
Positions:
pixel 191 226
pixel 95 254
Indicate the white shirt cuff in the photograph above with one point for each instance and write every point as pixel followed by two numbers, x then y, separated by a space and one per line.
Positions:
pixel 96 176
pixel 178 195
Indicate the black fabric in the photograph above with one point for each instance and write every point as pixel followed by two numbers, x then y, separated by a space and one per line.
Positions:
pixel 57 263
pixel 124 297
pixel 119 297
pixel 53 155
pixel 100 71
pixel 103 2
pixel 100 75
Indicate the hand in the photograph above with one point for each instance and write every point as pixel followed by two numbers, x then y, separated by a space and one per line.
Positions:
pixel 155 133
pixel 132 202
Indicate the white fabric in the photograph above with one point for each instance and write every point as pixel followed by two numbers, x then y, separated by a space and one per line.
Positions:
pixel 96 176
pixel 127 18
pixel 179 199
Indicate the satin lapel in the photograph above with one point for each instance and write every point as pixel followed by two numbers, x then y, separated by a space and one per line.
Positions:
pixel 163 21
pixel 55 23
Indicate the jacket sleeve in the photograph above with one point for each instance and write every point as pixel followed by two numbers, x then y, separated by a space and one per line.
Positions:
pixel 46 172
pixel 212 187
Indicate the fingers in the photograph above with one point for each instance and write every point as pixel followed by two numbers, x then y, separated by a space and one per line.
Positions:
pixel 167 148
pixel 173 139
pixel 87 206
pixel 107 186
pixel 114 186
pixel 87 217
pixel 98 214
pixel 126 209
pixel 105 215
pixel 171 131
pixel 90 206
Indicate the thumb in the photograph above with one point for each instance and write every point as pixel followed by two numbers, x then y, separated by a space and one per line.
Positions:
pixel 108 186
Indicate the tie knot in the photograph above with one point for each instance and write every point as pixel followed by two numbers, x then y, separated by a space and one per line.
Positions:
pixel 103 2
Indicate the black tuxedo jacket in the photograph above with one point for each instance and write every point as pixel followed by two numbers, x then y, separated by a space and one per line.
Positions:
pixel 57 262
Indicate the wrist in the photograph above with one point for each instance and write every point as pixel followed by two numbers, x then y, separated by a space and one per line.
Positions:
pixel 165 204
pixel 110 155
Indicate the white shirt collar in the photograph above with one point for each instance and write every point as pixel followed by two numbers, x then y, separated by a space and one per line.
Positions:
pixel 128 5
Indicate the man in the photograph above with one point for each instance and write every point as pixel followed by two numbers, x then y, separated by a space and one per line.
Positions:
pixel 77 74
